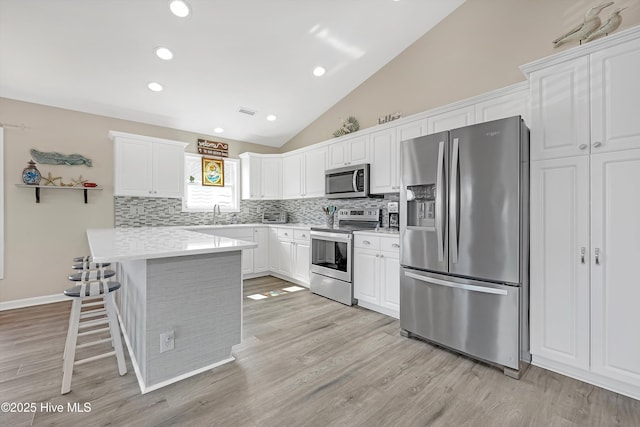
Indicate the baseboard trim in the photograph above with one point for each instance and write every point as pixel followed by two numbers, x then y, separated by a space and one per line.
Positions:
pixel 30 302
pixel 288 279
pixel 136 368
pixel 587 376
pixel 379 309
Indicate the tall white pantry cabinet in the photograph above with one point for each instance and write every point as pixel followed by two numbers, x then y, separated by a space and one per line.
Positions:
pixel 585 213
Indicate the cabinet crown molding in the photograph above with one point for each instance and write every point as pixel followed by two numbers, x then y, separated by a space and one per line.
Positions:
pixel 582 50
pixel 114 135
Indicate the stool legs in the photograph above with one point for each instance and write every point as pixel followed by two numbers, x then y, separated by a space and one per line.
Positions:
pixel 115 333
pixel 75 326
pixel 70 347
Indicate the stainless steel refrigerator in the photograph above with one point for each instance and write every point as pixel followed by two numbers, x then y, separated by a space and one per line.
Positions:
pixel 464 228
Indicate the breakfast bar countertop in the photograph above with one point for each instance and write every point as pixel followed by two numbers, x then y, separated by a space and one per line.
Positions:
pixel 121 244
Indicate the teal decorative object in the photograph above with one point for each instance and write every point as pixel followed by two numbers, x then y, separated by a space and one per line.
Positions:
pixel 54 158
pixel 31 174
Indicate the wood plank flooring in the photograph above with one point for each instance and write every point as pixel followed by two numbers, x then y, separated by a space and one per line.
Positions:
pixel 304 361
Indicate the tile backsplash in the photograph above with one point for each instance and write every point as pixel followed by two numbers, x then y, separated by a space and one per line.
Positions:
pixel 151 211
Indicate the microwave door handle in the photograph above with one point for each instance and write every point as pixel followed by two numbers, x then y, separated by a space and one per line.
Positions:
pixel 453 202
pixel 355 180
pixel 439 200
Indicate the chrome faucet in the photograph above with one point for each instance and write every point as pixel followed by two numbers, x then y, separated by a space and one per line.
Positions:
pixel 216 212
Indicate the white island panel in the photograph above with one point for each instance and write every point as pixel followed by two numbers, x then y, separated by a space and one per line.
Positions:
pixel 178 281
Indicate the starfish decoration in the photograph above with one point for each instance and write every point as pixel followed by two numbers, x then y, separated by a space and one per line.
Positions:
pixel 51 180
pixel 77 182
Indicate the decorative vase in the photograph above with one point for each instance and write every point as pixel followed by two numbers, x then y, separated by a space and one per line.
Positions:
pixel 31 174
pixel 330 221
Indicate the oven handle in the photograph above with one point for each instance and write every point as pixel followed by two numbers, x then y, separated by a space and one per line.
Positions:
pixel 335 237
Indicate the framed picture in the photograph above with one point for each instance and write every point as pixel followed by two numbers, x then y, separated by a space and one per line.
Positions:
pixel 213 172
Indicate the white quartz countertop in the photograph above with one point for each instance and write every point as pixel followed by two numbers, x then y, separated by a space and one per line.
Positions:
pixel 226 226
pixel 381 231
pixel 122 244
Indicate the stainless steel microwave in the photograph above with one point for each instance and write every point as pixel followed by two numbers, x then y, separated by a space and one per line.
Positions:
pixel 347 182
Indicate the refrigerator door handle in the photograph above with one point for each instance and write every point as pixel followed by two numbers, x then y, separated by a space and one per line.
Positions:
pixel 453 203
pixel 439 200
pixel 473 288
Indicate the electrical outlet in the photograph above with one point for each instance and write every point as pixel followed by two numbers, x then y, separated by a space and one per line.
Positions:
pixel 259 209
pixel 167 341
pixel 132 210
pixel 140 210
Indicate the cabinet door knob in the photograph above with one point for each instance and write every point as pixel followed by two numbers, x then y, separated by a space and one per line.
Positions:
pixel 381 256
pixel 597 254
pixel 597 144
pixel 377 255
pixel 582 252
pixel 583 146
pixel 395 245
pixel 366 242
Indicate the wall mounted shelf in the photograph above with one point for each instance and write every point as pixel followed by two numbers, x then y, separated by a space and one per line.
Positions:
pixel 55 187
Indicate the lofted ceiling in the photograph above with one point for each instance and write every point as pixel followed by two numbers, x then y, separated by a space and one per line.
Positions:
pixel 98 56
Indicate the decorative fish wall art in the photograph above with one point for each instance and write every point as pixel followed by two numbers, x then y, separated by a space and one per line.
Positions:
pixel 54 158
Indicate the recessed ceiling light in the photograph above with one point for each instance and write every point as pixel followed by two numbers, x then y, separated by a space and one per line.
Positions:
pixel 155 86
pixel 271 117
pixel 164 53
pixel 179 8
pixel 218 130
pixel 319 71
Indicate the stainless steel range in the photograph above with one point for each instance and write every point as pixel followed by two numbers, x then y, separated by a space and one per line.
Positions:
pixel 332 253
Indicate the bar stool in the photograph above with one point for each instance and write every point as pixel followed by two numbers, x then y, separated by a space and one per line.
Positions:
pixel 95 286
pixel 86 263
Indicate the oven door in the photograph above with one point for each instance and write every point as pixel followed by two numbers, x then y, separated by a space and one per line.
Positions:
pixel 331 254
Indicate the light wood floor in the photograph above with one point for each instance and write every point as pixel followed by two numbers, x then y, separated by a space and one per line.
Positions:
pixel 304 361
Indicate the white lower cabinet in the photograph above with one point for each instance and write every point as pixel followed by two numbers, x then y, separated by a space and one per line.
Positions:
pixel 254 261
pixel 559 277
pixel 585 230
pixel 261 253
pixel 274 251
pixel 615 252
pixel 291 257
pixel 376 273
pixel 301 255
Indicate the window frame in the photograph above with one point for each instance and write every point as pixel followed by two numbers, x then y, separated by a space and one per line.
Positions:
pixel 235 184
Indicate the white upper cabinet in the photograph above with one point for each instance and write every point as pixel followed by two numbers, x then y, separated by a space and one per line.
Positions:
pixel 147 166
pixel 271 177
pixel 292 176
pixel 588 104
pixel 507 105
pixel 315 163
pixel 615 98
pixel 451 119
pixel 412 130
pixel 385 162
pixel 261 176
pixel 351 151
pixel 303 174
pixel 560 110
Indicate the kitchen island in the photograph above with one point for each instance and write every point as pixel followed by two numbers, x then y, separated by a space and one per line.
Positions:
pixel 180 305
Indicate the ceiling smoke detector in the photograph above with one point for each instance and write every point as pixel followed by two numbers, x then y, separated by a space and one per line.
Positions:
pixel 247 111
